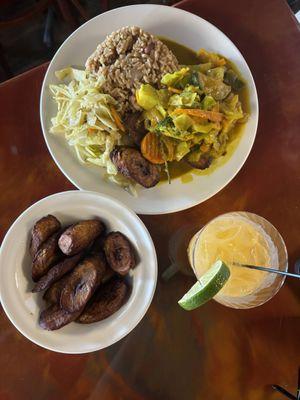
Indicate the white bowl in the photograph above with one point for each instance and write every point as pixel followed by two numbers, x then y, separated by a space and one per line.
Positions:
pixel 178 25
pixel 23 307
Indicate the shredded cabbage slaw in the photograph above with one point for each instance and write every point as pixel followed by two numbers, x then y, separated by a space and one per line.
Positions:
pixel 89 121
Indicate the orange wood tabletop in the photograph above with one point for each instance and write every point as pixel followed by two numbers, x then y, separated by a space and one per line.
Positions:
pixel 214 352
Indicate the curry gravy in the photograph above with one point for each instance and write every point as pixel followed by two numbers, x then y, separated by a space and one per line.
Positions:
pixel 182 169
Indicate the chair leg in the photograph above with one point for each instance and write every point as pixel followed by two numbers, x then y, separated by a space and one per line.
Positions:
pixel 104 4
pixel 64 8
pixel 80 9
pixel 48 32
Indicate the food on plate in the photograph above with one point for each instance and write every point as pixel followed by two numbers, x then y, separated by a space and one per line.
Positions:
pixel 41 231
pixel 139 113
pixel 79 236
pixel 135 127
pixel 130 163
pixel 199 160
pixel 109 273
pixel 126 59
pixel 152 149
pixel 82 270
pixel 54 317
pixel 56 272
pixel 46 256
pixel 82 283
pixel 52 294
pixel 85 118
pixel 191 117
pixel 119 253
pixel 97 246
pixel 105 302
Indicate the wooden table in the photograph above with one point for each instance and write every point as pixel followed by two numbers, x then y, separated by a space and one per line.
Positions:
pixel 214 352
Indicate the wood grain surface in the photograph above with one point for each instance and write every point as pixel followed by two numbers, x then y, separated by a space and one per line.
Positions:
pixel 214 352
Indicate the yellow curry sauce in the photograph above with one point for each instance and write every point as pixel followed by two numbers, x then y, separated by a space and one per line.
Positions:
pixel 182 169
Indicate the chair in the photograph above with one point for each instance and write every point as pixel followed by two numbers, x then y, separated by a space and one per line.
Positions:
pixel 14 14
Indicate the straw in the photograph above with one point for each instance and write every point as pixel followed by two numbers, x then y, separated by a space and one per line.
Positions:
pixel 266 269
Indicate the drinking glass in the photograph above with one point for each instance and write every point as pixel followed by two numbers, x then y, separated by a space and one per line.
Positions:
pixel 270 283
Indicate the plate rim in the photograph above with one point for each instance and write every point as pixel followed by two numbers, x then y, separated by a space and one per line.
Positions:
pixel 149 240
pixel 137 209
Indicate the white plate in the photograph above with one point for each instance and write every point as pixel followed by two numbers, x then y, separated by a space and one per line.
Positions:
pixel 178 25
pixel 23 307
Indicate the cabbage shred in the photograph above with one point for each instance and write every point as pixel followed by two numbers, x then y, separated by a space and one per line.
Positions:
pixel 84 118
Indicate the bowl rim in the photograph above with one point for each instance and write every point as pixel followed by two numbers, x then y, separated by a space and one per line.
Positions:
pixel 192 203
pixel 5 304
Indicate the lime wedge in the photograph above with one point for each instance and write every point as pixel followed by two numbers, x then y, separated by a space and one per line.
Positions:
pixel 207 287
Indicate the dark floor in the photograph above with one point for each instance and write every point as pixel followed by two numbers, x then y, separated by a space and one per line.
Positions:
pixel 35 40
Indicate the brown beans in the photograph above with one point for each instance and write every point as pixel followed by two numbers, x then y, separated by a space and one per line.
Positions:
pixel 42 230
pixel 149 48
pixel 79 236
pixel 82 282
pixel 119 253
pixel 56 272
pixel 55 317
pixel 47 255
pixel 105 302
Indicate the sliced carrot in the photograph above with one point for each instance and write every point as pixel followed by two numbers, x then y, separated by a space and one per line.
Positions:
pixel 151 148
pixel 174 90
pixel 91 131
pixel 221 62
pixel 211 115
pixel 216 107
pixel 169 148
pixel 204 147
pixel 206 57
pixel 117 119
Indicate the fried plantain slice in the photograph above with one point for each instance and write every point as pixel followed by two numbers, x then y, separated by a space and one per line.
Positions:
pixel 82 282
pixel 106 301
pixel 47 255
pixel 41 231
pixel 79 236
pixel 56 272
pixel 119 253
